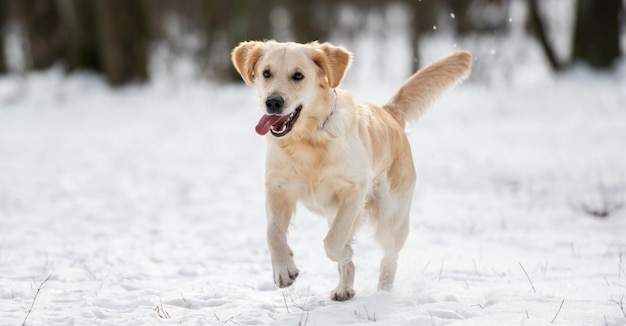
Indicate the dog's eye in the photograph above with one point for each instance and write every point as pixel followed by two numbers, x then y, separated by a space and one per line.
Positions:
pixel 266 74
pixel 298 76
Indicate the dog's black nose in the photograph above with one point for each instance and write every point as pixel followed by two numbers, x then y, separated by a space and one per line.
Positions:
pixel 274 104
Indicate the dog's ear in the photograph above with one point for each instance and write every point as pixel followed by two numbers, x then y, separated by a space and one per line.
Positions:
pixel 245 56
pixel 333 60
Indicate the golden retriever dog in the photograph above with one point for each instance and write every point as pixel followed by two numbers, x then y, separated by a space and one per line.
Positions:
pixel 343 159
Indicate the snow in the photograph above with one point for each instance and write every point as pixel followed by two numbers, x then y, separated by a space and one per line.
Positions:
pixel 145 206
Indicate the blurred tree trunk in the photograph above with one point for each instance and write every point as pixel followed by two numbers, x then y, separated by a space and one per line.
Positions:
pixel 249 20
pixel 597 33
pixel 234 22
pixel 3 15
pixel 538 27
pixel 461 15
pixel 41 21
pixel 423 20
pixel 305 27
pixel 302 13
pixel 123 40
pixel 80 22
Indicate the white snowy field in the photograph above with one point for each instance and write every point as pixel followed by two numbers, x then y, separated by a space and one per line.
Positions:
pixel 145 206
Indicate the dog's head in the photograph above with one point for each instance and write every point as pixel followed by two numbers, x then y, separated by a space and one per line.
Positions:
pixel 293 82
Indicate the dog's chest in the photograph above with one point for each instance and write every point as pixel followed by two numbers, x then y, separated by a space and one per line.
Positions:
pixel 319 177
pixel 322 196
pixel 324 201
pixel 321 191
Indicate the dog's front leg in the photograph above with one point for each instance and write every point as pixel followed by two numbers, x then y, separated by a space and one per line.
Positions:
pixel 338 241
pixel 280 209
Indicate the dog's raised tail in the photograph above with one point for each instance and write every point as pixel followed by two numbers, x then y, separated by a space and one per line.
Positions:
pixel 427 84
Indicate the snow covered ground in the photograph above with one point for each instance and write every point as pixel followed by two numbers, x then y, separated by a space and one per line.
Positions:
pixel 145 206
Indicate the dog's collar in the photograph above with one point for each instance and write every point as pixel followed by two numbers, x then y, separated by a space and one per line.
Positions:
pixel 332 110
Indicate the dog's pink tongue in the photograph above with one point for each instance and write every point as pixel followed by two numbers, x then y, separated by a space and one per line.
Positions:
pixel 266 121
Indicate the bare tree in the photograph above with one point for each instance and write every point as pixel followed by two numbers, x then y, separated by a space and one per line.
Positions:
pixel 312 20
pixel 236 21
pixel 538 26
pixel 123 40
pixel 41 21
pixel 423 19
pixel 3 14
pixel 460 9
pixel 597 34
pixel 79 18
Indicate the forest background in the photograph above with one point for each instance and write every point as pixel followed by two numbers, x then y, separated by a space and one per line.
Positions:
pixel 121 38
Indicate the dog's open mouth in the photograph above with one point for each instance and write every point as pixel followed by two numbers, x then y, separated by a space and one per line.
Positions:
pixel 278 125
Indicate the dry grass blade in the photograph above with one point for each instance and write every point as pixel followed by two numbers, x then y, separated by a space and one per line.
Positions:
pixel 620 304
pixel 285 302
pixel 528 277
pixel 619 268
pixel 225 321
pixel 557 312
pixel 603 201
pixel 35 298
pixel 161 312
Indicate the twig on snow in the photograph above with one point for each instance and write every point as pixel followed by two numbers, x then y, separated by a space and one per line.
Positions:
pixel 161 312
pixel 229 320
pixel 557 312
pixel 35 298
pixel 603 202
pixel 441 268
pixel 188 303
pixel 620 269
pixel 304 314
pixel 301 307
pixel 620 303
pixel 285 301
pixel 528 277
pixel 367 314
pixel 302 317
pixel 475 267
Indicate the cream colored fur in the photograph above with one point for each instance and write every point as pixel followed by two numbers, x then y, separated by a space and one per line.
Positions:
pixel 355 167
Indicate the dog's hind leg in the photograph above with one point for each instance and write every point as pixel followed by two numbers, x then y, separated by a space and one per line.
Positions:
pixel 344 290
pixel 391 232
pixel 389 263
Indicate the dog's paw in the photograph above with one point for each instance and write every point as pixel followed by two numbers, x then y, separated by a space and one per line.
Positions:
pixel 285 274
pixel 342 293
